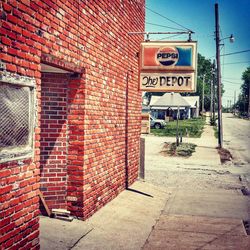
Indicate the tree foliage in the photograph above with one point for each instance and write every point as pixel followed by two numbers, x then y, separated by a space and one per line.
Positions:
pixel 243 100
pixel 205 69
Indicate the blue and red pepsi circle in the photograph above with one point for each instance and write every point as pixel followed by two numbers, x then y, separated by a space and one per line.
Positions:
pixel 167 56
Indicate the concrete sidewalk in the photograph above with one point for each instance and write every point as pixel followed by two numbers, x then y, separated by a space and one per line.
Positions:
pixel 124 223
pixel 184 203
pixel 206 208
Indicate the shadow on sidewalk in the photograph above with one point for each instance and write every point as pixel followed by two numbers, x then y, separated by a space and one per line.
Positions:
pixel 139 192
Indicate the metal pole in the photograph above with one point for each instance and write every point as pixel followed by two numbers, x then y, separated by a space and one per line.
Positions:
pixel 217 39
pixel 211 98
pixel 189 32
pixel 202 104
pixel 214 91
pixel 177 127
pixel 248 115
pixel 234 101
pixel 126 133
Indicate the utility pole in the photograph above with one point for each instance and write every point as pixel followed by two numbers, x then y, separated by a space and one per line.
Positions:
pixel 217 40
pixel 211 99
pixel 177 127
pixel 202 104
pixel 214 92
pixel 234 101
pixel 248 113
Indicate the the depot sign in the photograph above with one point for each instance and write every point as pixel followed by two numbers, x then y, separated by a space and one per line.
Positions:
pixel 168 66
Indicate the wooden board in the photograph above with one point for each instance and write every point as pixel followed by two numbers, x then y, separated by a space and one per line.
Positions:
pixel 44 203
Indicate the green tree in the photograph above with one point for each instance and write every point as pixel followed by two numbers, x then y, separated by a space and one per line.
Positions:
pixel 205 69
pixel 243 100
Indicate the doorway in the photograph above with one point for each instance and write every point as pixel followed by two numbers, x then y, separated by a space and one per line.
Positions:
pixel 53 143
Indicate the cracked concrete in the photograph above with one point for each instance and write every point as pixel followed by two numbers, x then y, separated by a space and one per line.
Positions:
pixel 206 206
pixel 124 223
pixel 184 203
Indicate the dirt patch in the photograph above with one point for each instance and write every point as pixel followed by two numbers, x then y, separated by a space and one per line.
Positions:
pixel 183 150
pixel 225 155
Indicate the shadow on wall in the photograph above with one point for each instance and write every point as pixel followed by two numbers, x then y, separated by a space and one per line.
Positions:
pixel 53 161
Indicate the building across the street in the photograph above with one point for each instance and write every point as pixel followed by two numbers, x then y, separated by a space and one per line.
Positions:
pixel 166 107
pixel 70 109
pixel 194 102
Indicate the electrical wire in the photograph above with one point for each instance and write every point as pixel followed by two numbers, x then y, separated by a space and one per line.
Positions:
pixel 221 35
pixel 237 63
pixel 170 20
pixel 223 61
pixel 228 96
pixel 237 83
pixel 233 53
pixel 169 37
pixel 163 26
pixel 230 78
pixel 238 52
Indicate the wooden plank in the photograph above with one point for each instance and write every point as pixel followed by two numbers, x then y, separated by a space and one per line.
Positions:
pixel 44 203
pixel 60 211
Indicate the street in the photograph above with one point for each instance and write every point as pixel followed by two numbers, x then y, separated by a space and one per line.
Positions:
pixel 237 141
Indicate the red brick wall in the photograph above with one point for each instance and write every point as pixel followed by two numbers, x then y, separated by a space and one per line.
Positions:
pixel 113 68
pixel 54 139
pixel 92 37
pixel 19 205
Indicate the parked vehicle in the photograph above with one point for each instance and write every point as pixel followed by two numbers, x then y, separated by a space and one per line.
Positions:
pixel 157 123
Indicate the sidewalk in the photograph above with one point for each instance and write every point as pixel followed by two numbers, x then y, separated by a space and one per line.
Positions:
pixel 206 207
pixel 184 203
pixel 124 223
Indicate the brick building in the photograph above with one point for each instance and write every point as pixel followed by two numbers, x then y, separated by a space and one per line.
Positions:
pixel 69 106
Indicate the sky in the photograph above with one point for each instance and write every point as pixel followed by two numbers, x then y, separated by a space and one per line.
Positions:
pixel 199 16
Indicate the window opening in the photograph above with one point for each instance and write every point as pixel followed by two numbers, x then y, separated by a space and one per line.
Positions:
pixel 17 118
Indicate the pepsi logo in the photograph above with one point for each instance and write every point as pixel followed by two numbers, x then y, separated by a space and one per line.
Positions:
pixel 167 56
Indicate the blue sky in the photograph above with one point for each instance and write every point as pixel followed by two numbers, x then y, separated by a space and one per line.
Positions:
pixel 198 15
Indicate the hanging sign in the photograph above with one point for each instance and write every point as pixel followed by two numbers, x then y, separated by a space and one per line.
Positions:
pixel 168 66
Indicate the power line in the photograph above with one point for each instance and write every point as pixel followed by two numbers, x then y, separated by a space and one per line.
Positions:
pixel 221 35
pixel 166 18
pixel 237 63
pixel 238 52
pixel 211 57
pixel 230 88
pixel 230 78
pixel 228 96
pixel 237 83
pixel 169 37
pixel 158 25
pixel 229 54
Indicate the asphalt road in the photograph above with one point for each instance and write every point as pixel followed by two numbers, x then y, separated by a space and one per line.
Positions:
pixel 236 138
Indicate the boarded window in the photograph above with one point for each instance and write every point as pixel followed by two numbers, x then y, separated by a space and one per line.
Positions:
pixel 16 126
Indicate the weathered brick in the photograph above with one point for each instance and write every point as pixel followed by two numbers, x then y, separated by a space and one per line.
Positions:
pixel 81 126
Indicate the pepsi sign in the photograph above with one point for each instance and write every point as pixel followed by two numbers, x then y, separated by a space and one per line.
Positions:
pixel 167 56
pixel 161 58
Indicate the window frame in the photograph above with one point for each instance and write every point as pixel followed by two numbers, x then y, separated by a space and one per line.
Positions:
pixel 26 151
